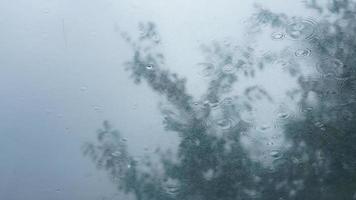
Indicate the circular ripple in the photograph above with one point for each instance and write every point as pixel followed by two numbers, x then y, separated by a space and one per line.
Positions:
pixel 302 52
pixel 301 29
pixel 332 67
pixel 225 124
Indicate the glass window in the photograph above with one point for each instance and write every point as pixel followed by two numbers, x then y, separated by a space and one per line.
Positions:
pixel 177 100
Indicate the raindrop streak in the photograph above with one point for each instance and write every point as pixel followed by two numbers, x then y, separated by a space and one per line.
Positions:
pixel 302 52
pixel 277 36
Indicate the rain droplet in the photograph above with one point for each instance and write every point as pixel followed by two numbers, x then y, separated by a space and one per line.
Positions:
pixel 227 101
pixel 308 110
pixel 320 125
pixel 83 89
pixel 96 108
pixel 277 36
pixel 225 123
pixel 156 38
pixel 347 115
pixel 248 116
pixel 208 175
pixel 172 187
pixel 228 69
pixel 208 69
pixel 116 153
pixel 214 105
pixel 48 111
pixel 264 128
pixel 302 52
pixel 283 115
pixel 149 66
pixel 276 154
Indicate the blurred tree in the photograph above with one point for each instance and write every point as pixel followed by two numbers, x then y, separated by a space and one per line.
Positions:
pixel 323 154
pixel 211 162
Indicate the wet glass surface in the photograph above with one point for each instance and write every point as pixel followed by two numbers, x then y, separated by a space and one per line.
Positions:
pixel 178 100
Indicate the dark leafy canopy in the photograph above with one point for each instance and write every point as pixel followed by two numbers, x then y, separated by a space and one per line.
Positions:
pixel 212 164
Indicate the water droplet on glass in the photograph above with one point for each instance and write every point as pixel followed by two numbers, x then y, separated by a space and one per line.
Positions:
pixel 225 123
pixel 347 115
pixel 171 187
pixel 248 116
pixel 156 38
pixel 97 108
pixel 83 89
pixel 228 69
pixel 227 101
pixel 48 111
pixel 276 154
pixel 277 36
pixel 208 69
pixel 214 105
pixel 208 175
pixel 283 115
pixel 264 128
pixel 302 52
pixel 116 153
pixel 196 103
pixel 149 66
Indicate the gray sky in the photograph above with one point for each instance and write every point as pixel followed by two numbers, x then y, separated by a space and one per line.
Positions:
pixel 61 75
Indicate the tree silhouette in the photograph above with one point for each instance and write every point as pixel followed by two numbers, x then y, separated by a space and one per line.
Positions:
pixel 211 162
